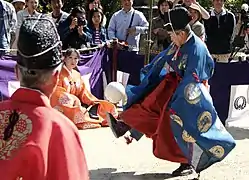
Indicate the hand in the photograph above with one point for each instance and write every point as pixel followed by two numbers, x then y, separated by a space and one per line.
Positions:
pixel 13 38
pixel 80 30
pixel 194 2
pixel 108 43
pixel 73 23
pixel 101 45
pixel 160 31
pixel 128 139
pixel 131 31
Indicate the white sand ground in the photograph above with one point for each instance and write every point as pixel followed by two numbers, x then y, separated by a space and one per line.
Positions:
pixel 112 159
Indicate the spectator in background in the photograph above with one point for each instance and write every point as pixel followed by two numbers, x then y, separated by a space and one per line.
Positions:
pixel 127 25
pixel 160 37
pixel 187 3
pixel 196 26
pixel 246 38
pixel 220 30
pixel 91 4
pixel 96 29
pixel 57 15
pixel 29 11
pixel 73 31
pixel 18 4
pixel 8 23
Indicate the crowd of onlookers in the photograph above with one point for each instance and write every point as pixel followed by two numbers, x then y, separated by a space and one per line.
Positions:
pixel 86 26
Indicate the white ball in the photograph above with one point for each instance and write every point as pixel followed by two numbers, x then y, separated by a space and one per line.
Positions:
pixel 115 92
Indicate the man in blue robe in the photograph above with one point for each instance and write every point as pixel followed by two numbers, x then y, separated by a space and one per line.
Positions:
pixel 175 108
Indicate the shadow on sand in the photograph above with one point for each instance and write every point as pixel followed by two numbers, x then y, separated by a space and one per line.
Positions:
pixel 111 174
pixel 238 133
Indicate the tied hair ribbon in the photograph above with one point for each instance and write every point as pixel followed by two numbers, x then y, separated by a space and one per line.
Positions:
pixel 14 117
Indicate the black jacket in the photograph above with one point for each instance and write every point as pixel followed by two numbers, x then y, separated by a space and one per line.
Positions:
pixel 71 38
pixel 220 32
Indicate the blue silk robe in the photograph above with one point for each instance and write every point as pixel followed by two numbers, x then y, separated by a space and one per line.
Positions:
pixel 194 122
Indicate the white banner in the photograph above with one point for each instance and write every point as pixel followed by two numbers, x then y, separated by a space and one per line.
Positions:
pixel 86 80
pixel 122 77
pixel 238 115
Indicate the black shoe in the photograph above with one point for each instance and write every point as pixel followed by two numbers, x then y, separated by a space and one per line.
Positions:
pixel 118 128
pixel 183 170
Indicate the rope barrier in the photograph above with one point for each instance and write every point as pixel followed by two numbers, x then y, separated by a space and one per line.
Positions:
pixel 80 50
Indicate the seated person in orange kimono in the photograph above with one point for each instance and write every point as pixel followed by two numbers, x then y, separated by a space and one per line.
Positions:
pixel 36 141
pixel 72 98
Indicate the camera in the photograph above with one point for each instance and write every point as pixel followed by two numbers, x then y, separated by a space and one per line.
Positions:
pixel 82 22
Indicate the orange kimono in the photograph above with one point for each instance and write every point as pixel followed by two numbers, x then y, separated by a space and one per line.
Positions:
pixel 69 96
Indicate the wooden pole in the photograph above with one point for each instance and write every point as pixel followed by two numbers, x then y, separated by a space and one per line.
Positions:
pixel 114 60
pixel 147 55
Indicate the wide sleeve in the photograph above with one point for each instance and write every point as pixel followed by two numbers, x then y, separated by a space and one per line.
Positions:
pixel 86 96
pixel 66 156
pixel 151 75
pixel 195 124
pixel 64 30
pixel 13 20
pixel 28 163
pixel 143 24
pixel 156 67
pixel 112 27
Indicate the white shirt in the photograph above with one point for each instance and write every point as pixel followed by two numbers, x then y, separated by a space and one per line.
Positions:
pixel 120 22
pixel 63 16
pixel 21 16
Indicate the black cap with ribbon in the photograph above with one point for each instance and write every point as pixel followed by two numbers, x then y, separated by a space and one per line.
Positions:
pixel 178 18
pixel 39 45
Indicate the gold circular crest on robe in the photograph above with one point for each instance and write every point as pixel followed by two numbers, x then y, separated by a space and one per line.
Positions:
pixel 218 151
pixel 192 93
pixel 204 122
pixel 177 119
pixel 187 138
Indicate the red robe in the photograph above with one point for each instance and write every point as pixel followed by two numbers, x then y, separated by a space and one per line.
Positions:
pixel 151 117
pixel 44 143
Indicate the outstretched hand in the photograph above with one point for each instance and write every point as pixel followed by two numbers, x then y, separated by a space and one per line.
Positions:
pixel 128 139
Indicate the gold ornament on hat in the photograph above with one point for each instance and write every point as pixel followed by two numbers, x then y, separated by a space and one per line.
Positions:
pixel 218 151
pixel 187 138
pixel 177 119
pixel 192 93
pixel 204 122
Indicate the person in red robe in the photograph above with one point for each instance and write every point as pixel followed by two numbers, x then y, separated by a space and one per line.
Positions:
pixel 36 141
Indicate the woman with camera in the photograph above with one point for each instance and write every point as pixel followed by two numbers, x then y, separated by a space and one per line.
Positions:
pixel 73 31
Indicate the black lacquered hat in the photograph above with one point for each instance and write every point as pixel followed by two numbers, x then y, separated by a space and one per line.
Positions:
pixel 39 45
pixel 178 19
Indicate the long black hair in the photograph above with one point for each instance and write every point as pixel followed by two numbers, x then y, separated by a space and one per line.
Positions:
pixel 90 22
pixel 69 51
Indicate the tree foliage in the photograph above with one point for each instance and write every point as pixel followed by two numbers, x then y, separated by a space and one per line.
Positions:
pixel 111 6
